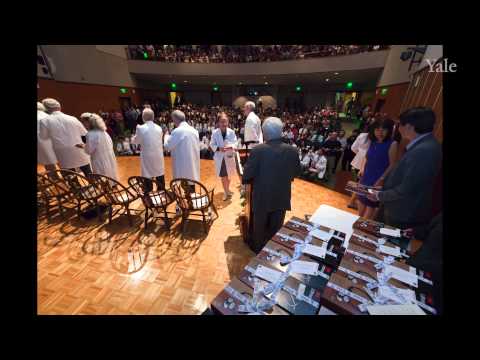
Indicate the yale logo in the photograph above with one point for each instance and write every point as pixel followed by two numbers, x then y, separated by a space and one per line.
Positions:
pixel 442 66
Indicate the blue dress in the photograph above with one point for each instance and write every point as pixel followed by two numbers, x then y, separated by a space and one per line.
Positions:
pixel 377 162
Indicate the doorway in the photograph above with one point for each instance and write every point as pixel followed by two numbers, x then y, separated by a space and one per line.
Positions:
pixel 125 102
pixel 379 105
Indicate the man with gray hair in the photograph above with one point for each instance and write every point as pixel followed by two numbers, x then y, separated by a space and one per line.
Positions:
pixel 45 153
pixel 149 136
pixel 184 145
pixel 271 168
pixel 253 125
pixel 66 133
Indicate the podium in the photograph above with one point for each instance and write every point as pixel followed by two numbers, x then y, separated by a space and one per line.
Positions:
pixel 246 216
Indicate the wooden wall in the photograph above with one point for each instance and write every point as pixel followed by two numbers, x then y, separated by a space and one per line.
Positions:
pixel 393 99
pixel 78 98
pixel 426 89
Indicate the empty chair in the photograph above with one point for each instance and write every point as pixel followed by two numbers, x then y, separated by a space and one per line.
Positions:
pixel 117 195
pixel 52 192
pixel 194 199
pixel 154 200
pixel 84 190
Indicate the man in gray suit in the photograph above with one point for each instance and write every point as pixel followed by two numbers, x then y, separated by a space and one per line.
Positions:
pixel 271 167
pixel 408 189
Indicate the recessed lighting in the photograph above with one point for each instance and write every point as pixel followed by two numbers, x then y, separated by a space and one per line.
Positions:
pixel 336 73
pixel 239 83
pixel 327 79
pixel 266 83
pixel 185 81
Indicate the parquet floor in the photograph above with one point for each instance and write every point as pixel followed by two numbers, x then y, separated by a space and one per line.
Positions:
pixel 87 267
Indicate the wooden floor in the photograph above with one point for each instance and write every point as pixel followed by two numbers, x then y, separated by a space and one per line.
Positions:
pixel 87 267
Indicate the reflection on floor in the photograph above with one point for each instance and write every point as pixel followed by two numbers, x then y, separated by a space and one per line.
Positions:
pixel 90 267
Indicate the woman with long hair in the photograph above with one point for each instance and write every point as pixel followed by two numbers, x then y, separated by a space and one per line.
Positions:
pixel 380 159
pixel 99 146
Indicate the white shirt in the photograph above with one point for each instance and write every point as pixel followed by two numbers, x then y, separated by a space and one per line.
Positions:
pixel 184 144
pixel 65 132
pixel 253 128
pixel 45 153
pixel 99 146
pixel 149 137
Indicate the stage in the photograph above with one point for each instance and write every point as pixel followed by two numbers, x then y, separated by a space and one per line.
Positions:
pixel 88 267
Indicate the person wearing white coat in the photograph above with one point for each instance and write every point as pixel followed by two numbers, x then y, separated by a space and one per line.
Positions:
pixel 359 147
pixel 184 145
pixel 253 125
pixel 320 164
pixel 45 153
pixel 149 136
pixel 66 133
pixel 223 144
pixel 99 146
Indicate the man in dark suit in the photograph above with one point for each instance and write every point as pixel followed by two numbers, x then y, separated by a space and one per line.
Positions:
pixel 271 167
pixel 407 191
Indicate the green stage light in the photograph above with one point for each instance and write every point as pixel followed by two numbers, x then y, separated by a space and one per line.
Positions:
pixel 349 85
pixel 215 88
pixel 298 88
pixel 123 90
pixel 384 91
pixel 173 86
pixel 145 55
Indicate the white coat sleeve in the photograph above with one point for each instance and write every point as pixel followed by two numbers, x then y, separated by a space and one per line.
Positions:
pixel 91 144
pixel 233 140
pixel 137 138
pixel 81 129
pixel 44 134
pixel 213 142
pixel 356 144
pixel 173 141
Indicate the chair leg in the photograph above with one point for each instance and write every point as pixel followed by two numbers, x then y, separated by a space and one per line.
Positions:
pixel 184 222
pixel 146 218
pixel 204 222
pixel 79 207
pixel 129 216
pixel 167 220
pixel 110 211
pixel 98 212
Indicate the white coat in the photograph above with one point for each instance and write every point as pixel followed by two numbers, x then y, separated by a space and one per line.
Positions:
pixel 100 148
pixel 184 144
pixel 149 137
pixel 45 153
pixel 360 147
pixel 321 166
pixel 65 131
pixel 216 142
pixel 253 128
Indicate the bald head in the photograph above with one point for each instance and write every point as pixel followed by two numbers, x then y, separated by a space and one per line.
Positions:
pixel 272 128
pixel 148 114
pixel 177 117
pixel 51 105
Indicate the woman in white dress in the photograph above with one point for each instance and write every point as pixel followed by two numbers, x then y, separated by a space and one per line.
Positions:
pixel 99 146
pixel 223 144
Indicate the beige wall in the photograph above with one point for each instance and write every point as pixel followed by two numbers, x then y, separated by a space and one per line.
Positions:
pixel 86 64
pixel 395 70
pixel 117 50
pixel 368 60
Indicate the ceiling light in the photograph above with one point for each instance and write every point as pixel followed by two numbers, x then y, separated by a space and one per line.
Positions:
pixel 266 83
pixel 327 79
pixel 185 81
pixel 336 73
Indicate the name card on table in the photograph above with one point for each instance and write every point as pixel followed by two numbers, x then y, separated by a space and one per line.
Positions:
pixel 322 235
pixel 267 274
pixel 387 292
pixel 390 232
pixel 394 251
pixel 409 309
pixel 407 277
pixel 319 251
pixel 304 267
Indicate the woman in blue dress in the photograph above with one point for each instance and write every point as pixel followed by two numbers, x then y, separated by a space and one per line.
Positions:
pixel 380 159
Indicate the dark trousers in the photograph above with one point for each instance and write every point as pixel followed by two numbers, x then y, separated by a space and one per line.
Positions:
pixel 346 160
pixel 265 225
pixel 160 180
pixel 86 169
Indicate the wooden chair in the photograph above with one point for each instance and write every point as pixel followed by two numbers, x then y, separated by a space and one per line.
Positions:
pixel 52 192
pixel 116 194
pixel 194 199
pixel 84 189
pixel 154 200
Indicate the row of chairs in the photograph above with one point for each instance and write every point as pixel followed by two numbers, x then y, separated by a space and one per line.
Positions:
pixel 57 188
